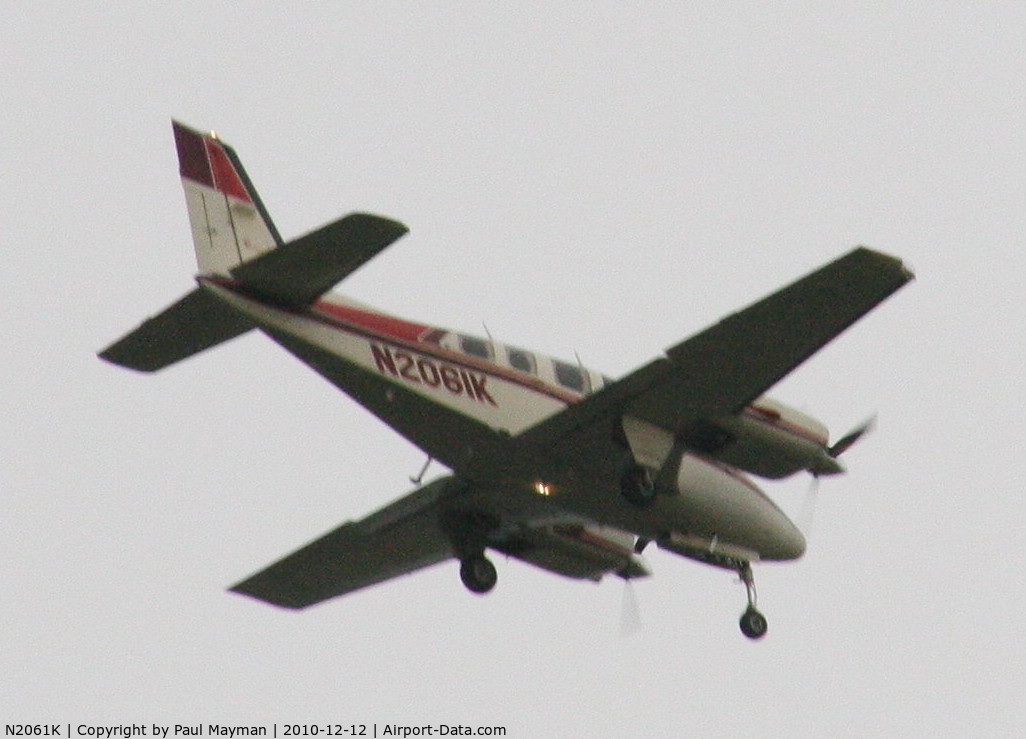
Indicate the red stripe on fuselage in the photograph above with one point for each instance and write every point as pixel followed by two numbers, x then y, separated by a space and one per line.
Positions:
pixel 423 339
pixel 387 326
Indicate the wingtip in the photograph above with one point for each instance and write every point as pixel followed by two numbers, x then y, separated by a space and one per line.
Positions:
pixel 240 589
pixel 902 269
pixel 387 227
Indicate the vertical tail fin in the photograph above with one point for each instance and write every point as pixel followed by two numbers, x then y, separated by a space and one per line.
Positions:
pixel 229 222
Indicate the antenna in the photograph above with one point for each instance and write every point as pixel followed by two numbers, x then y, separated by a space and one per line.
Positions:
pixel 420 475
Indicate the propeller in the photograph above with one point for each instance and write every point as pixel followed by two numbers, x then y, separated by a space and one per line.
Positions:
pixel 807 512
pixel 839 447
pixel 630 610
pixel 848 440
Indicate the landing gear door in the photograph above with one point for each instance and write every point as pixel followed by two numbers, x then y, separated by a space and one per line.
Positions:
pixel 650 445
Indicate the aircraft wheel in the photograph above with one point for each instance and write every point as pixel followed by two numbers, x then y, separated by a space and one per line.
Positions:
pixel 478 574
pixel 753 624
pixel 637 487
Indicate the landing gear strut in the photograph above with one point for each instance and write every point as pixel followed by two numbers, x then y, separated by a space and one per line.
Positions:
pixel 637 485
pixel 753 624
pixel 478 574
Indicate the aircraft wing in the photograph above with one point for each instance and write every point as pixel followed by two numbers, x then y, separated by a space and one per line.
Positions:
pixel 416 531
pixel 722 369
pixel 401 538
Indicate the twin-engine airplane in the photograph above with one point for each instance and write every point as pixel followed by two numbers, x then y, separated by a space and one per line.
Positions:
pixel 551 463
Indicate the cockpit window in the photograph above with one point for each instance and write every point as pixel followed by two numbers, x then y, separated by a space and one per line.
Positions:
pixel 521 360
pixel 571 376
pixel 476 347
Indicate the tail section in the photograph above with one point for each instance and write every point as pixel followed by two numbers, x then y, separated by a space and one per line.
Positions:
pixel 236 241
pixel 229 222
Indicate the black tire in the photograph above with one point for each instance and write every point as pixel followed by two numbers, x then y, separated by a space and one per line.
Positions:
pixel 478 574
pixel 753 624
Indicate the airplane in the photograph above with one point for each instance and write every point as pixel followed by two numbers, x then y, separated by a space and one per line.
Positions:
pixel 549 462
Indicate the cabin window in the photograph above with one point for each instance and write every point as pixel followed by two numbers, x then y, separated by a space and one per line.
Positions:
pixel 521 360
pixel 570 375
pixel 476 347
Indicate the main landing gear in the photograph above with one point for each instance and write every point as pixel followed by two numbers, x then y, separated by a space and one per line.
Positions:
pixel 753 623
pixel 478 574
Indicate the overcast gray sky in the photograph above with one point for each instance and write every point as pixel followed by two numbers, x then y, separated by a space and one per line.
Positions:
pixel 602 178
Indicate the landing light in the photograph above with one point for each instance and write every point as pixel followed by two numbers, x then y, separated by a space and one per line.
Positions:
pixel 543 489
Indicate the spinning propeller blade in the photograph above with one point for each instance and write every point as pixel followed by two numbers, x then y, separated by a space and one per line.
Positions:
pixel 848 440
pixel 807 512
pixel 630 611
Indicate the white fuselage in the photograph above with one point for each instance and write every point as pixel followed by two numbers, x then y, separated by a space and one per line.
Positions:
pixel 510 390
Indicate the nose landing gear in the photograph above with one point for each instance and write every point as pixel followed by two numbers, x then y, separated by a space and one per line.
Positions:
pixel 753 623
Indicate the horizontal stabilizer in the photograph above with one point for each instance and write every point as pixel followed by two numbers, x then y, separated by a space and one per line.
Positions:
pixel 299 272
pixel 196 322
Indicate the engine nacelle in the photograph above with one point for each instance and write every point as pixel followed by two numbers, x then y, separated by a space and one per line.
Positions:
pixel 773 440
pixel 768 438
pixel 721 514
pixel 732 517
